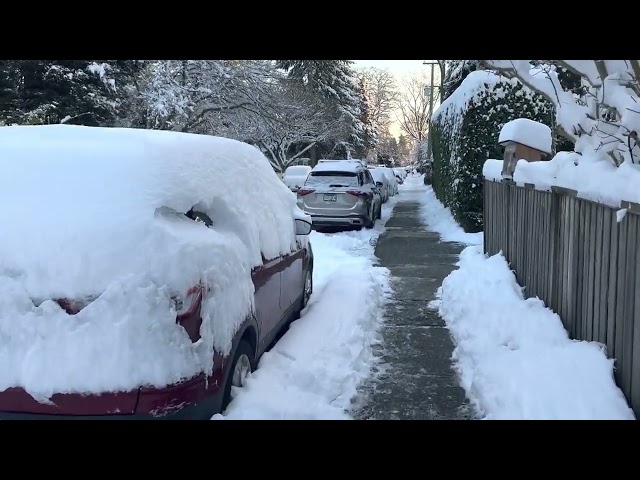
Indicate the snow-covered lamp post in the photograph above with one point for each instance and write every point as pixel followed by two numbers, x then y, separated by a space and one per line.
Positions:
pixel 523 139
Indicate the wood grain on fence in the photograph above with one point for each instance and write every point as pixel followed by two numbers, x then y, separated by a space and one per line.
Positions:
pixel 574 255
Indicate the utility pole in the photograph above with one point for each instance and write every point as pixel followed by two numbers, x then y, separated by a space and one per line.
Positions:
pixel 430 89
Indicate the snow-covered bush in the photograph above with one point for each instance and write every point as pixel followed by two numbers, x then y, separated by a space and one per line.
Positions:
pixel 465 133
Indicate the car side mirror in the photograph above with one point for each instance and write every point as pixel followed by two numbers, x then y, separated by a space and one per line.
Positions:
pixel 302 227
pixel 379 184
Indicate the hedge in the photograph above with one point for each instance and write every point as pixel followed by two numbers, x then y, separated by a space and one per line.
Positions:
pixel 465 131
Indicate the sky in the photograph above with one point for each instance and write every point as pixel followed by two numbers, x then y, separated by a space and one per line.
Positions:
pixel 400 69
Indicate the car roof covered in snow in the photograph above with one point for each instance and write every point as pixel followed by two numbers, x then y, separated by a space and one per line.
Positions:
pixel 351 166
pixel 297 170
pixel 74 198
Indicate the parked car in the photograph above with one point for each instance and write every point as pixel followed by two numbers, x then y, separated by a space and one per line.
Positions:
pixel 401 174
pixel 295 176
pixel 341 194
pixel 392 180
pixel 146 288
pixel 382 181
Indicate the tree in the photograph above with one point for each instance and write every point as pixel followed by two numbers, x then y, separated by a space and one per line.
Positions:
pixel 405 146
pixel 456 72
pixel 333 81
pixel 9 74
pixel 383 95
pixel 298 124
pixel 200 95
pixel 603 121
pixel 59 91
pixel 414 108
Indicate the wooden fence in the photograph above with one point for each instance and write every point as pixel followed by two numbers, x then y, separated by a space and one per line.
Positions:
pixel 575 256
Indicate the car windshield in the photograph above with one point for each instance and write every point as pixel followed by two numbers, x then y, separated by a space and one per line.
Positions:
pixel 332 179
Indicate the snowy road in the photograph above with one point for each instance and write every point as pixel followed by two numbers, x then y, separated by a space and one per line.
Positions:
pixel 315 368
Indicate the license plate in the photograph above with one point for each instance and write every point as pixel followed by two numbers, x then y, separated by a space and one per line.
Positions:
pixel 330 197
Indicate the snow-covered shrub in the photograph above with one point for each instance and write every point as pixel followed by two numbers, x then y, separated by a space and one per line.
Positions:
pixel 465 133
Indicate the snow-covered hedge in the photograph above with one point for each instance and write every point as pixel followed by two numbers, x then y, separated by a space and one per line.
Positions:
pixel 465 133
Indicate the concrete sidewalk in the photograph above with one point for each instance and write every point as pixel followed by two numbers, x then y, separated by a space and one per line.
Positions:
pixel 416 379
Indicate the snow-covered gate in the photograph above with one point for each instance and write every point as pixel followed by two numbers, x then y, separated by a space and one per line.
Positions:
pixel 580 258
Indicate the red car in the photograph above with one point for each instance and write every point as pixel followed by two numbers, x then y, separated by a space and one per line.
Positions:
pixel 283 286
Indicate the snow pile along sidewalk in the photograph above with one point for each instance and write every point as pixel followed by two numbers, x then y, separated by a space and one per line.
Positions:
pixel 514 356
pixel 438 218
pixel 313 372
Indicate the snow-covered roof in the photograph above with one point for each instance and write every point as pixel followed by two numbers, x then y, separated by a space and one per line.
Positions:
pixel 99 212
pixel 339 166
pixel 297 170
pixel 527 132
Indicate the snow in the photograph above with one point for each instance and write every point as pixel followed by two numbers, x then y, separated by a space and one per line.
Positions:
pixel 471 86
pixel 514 356
pixel 527 132
pixel 593 177
pixel 98 212
pixel 338 166
pixel 314 369
pixel 436 216
pixel 296 175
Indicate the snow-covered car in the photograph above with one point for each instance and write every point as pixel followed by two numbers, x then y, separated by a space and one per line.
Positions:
pixel 295 176
pixel 393 182
pixel 133 283
pixel 401 174
pixel 341 194
pixel 382 181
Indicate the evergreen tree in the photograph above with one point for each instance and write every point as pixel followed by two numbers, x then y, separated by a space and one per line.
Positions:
pixel 81 92
pixel 457 71
pixel 8 92
pixel 333 82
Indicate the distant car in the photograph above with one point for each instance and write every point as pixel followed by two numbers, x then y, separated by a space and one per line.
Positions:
pixel 147 288
pixel 295 176
pixel 341 194
pixel 382 181
pixel 392 179
pixel 401 173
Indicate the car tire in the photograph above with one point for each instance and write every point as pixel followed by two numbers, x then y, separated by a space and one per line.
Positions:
pixel 370 222
pixel 243 359
pixel 307 289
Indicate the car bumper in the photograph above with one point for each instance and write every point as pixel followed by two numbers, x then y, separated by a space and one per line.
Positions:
pixel 193 399
pixel 333 220
pixel 191 412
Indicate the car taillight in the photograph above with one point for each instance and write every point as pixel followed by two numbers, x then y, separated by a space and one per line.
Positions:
pixel 305 191
pixel 358 193
pixel 187 304
pixel 74 305
pixel 188 311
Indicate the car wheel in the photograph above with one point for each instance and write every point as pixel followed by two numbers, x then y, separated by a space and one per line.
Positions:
pixel 371 221
pixel 308 288
pixel 243 363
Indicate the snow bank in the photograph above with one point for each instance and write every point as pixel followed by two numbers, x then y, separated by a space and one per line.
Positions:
pixel 436 216
pixel 314 370
pixel 92 212
pixel 594 178
pixel 527 132
pixel 514 357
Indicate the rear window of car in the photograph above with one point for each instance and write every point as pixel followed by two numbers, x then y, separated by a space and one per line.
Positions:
pixel 332 179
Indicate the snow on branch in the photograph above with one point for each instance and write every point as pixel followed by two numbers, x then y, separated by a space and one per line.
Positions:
pixel 605 119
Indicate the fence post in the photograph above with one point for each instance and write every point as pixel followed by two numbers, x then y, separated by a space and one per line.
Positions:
pixel 507 198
